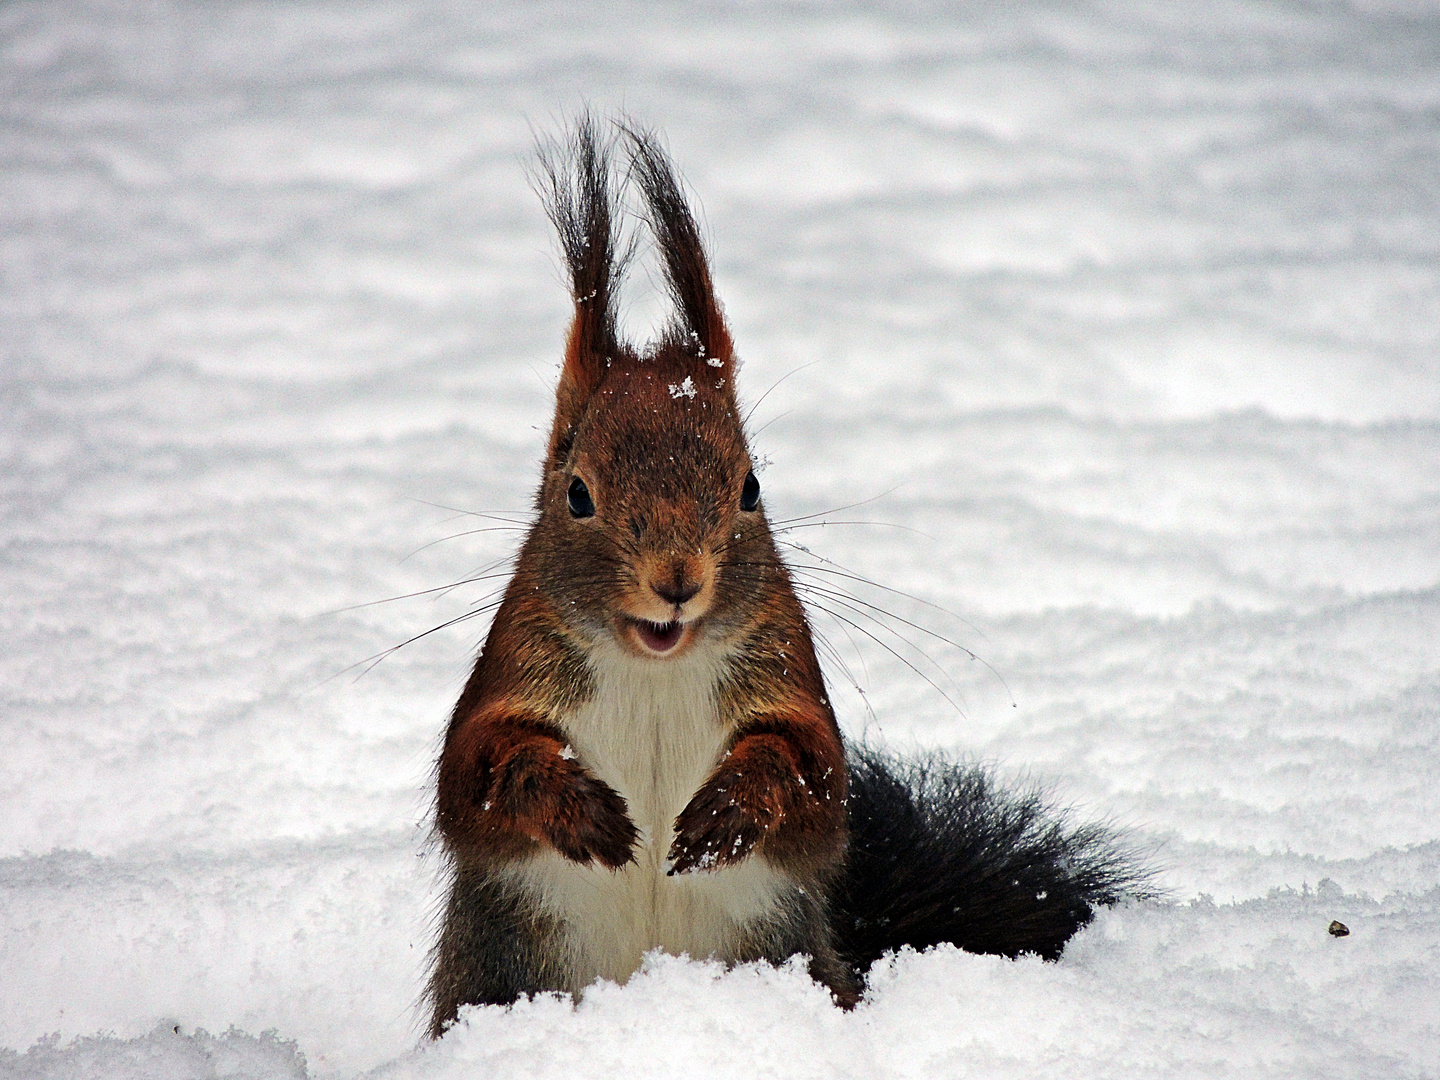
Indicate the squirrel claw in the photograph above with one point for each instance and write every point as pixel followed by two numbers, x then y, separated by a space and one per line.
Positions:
pixel 711 833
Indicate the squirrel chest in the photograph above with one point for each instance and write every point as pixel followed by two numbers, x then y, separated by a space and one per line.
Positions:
pixel 653 733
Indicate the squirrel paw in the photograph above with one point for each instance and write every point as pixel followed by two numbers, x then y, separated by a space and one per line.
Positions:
pixel 713 831
pixel 590 823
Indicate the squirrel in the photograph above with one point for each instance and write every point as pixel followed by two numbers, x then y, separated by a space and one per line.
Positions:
pixel 645 754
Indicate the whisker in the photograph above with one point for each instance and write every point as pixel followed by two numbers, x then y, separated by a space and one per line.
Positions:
pixel 811 586
pixel 825 646
pixel 440 589
pixel 898 656
pixel 370 662
pixel 845 629
pixel 493 572
pixel 835 568
pixel 467 532
pixel 841 594
pixel 780 528
pixel 794 371
pixel 821 524
pixel 840 509
pixel 859 655
pixel 971 653
pixel 849 603
pixel 762 427
pixel 512 517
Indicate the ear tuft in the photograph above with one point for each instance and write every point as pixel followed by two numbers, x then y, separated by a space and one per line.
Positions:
pixel 700 323
pixel 576 181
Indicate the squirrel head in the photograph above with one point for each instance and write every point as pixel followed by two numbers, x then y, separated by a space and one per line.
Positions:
pixel 650 528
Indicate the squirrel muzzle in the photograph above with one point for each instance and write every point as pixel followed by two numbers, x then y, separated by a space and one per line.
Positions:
pixel 672 596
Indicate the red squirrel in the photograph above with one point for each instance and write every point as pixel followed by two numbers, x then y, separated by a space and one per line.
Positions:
pixel 645 755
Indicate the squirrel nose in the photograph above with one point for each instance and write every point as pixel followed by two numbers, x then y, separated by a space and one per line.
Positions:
pixel 675 592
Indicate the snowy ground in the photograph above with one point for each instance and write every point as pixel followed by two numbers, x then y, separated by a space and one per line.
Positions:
pixel 1130 318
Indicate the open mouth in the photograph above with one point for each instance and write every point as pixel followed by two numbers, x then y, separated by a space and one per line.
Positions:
pixel 658 637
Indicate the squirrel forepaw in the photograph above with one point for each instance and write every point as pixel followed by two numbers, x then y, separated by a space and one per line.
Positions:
pixel 713 831
pixel 593 825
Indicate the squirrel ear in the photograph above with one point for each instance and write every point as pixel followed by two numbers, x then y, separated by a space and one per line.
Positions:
pixel 576 181
pixel 699 317
pixel 586 355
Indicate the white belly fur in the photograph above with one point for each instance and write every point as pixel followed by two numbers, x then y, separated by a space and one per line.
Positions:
pixel 652 732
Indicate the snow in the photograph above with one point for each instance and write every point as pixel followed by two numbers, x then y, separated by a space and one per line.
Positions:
pixel 1121 324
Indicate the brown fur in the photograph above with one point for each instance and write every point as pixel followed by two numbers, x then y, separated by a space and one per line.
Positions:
pixel 657 439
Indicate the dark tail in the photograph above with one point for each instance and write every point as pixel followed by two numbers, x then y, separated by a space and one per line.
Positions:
pixel 937 853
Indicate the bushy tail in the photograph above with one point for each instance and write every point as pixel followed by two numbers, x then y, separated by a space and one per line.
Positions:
pixel 937 853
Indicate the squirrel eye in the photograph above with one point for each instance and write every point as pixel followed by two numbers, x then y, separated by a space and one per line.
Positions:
pixel 750 493
pixel 578 499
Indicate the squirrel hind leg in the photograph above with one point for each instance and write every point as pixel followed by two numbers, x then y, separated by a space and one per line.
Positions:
pixel 494 947
pixel 799 923
pixel 939 854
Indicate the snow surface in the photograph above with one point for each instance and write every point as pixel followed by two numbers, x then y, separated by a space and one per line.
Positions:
pixel 1125 320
